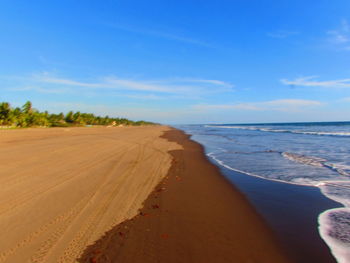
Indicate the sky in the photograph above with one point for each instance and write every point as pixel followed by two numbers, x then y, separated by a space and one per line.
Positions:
pixel 179 61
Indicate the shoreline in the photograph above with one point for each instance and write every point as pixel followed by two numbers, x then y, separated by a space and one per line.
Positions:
pixel 297 226
pixel 194 215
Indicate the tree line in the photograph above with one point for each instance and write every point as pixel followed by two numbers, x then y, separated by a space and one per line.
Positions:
pixel 27 116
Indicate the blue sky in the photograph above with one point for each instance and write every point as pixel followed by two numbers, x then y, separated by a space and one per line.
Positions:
pixel 234 61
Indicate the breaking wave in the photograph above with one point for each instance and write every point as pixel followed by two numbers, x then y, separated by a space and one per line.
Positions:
pixel 316 161
pixel 254 128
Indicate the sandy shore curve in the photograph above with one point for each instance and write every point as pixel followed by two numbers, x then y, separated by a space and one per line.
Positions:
pixel 131 194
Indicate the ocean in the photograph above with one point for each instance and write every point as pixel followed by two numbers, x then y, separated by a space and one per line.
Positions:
pixel 297 175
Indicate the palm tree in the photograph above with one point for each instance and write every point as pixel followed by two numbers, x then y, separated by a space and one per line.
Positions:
pixel 27 107
pixel 5 113
pixel 27 116
pixel 69 117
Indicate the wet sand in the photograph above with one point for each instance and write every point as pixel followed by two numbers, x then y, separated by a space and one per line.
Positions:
pixel 292 212
pixel 193 215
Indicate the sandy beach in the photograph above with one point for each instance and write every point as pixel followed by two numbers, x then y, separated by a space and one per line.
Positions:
pixel 135 194
pixel 61 189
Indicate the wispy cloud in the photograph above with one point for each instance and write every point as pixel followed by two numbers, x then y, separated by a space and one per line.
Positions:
pixel 144 97
pixel 346 99
pixel 340 36
pixel 135 113
pixel 202 81
pixel 47 78
pixel 133 85
pixel 159 34
pixel 282 34
pixel 311 81
pixel 41 89
pixel 285 105
pixel 152 89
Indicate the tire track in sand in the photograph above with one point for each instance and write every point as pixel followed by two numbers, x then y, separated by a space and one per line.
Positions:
pixel 68 217
pixel 76 246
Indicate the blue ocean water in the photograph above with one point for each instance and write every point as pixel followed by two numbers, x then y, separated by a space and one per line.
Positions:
pixel 312 154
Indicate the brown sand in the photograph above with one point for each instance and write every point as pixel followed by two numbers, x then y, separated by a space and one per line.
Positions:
pixel 193 215
pixel 62 189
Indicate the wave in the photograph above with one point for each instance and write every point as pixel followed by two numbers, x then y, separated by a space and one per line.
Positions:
pixel 334 224
pixel 253 128
pixel 328 169
pixel 316 161
pixel 303 159
pixel 298 181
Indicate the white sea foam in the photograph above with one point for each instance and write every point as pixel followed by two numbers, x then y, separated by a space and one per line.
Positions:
pixel 310 161
pixel 338 191
pixel 334 228
pixel 254 128
pixel 340 168
pixel 317 161
pixel 295 181
pixel 334 224
pixel 324 133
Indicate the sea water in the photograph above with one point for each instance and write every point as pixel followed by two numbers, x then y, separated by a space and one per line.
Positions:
pixel 312 154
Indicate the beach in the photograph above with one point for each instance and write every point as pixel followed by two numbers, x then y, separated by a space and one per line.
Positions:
pixel 122 194
pixel 294 174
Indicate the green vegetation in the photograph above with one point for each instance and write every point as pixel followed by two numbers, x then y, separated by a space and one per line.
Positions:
pixel 27 116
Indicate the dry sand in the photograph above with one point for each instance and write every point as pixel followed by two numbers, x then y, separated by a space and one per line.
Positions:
pixel 62 189
pixel 76 192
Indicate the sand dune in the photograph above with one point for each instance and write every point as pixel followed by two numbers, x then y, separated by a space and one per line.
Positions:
pixel 62 189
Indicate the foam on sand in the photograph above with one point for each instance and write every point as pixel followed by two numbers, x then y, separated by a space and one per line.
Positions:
pixel 334 224
pixel 334 228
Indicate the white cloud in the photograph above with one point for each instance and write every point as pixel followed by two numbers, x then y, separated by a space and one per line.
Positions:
pixel 312 81
pixel 346 99
pixel 134 113
pixel 45 77
pixel 159 34
pixel 144 97
pixel 208 81
pixel 238 106
pixel 40 90
pixel 282 34
pixel 125 84
pixel 187 87
pixel 340 36
pixel 292 102
pixel 286 105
